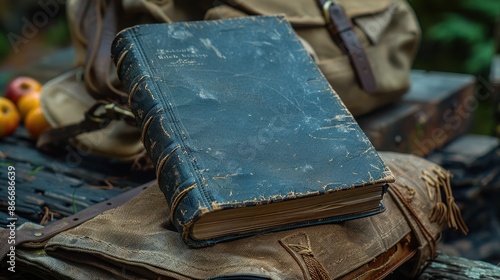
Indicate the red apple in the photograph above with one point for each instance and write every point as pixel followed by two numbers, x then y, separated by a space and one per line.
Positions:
pixel 20 86
pixel 9 117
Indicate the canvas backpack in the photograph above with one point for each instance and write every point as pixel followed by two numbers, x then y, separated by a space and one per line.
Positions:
pixel 364 48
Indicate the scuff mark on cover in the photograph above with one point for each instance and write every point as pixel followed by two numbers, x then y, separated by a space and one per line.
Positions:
pixel 145 128
pixel 149 91
pixel 153 144
pixel 326 138
pixel 207 95
pixel 164 160
pixel 203 209
pixel 181 34
pixel 178 198
pixel 165 132
pixel 134 89
pixel 208 44
pixel 225 176
pixel 140 113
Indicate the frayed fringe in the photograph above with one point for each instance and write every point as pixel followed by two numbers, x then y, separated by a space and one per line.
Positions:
pixel 441 213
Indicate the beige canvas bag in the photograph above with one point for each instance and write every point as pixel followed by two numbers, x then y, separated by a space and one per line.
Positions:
pixel 134 241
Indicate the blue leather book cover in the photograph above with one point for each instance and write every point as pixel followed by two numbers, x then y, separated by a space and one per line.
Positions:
pixel 246 134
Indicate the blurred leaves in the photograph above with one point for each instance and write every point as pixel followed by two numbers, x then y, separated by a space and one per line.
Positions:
pixel 57 34
pixel 458 36
pixel 487 8
pixel 456 27
pixel 481 56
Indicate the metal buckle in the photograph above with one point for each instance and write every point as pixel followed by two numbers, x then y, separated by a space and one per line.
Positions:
pixel 326 10
pixel 115 112
pixel 103 112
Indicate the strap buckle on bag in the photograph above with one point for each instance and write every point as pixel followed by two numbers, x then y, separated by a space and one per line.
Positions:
pixel 326 10
pixel 341 30
pixel 102 113
pixel 97 117
pixel 336 16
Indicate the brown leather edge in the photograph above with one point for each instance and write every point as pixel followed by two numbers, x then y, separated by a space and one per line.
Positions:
pixel 40 235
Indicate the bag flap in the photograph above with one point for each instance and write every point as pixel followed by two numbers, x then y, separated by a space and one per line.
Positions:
pixel 307 12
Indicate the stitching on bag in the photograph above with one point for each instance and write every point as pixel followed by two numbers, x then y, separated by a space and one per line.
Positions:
pixel 419 229
pixel 389 232
pixel 411 193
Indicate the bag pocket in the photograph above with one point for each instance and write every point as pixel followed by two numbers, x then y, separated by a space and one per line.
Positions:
pixel 387 31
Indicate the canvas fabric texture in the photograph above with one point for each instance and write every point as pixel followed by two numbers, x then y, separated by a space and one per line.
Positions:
pixel 133 241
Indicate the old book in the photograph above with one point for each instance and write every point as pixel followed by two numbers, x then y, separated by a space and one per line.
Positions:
pixel 246 134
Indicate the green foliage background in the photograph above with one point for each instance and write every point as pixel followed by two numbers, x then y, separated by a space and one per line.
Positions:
pixel 458 36
pixel 461 36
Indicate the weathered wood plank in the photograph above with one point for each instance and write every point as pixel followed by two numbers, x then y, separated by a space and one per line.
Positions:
pixel 450 267
pixel 434 111
pixel 59 185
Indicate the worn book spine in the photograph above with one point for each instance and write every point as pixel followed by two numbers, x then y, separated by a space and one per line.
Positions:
pixel 176 169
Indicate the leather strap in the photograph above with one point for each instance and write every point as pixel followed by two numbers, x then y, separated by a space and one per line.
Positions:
pixel 341 31
pixel 43 234
pixel 99 28
pixel 50 141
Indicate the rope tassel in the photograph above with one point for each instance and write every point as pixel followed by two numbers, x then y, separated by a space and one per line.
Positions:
pixel 316 270
pixel 442 212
